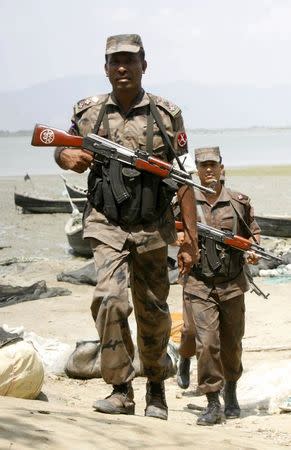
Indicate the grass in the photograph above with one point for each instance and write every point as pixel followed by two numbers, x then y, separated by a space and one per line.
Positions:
pixel 284 170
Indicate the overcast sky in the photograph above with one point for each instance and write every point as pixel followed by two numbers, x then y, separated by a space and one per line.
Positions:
pixel 207 41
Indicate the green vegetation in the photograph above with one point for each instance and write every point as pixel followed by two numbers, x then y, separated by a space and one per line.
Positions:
pixel 284 170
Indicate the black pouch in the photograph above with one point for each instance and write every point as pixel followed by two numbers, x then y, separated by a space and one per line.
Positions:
pixel 110 209
pixel 94 191
pixel 157 195
pixel 129 210
pixel 150 189
pixel 167 190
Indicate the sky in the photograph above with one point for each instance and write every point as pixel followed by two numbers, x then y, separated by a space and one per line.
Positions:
pixel 210 42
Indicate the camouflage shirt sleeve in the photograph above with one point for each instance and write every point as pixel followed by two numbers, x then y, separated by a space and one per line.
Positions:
pixel 246 210
pixel 180 136
pixel 79 108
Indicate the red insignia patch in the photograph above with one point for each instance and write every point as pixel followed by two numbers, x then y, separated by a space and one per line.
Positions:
pixel 182 139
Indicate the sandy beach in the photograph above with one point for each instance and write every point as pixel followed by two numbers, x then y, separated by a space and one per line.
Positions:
pixel 63 418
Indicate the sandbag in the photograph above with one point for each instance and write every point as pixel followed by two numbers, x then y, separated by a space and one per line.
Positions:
pixel 84 362
pixel 21 370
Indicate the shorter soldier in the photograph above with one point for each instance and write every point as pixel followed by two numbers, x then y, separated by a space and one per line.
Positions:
pixel 213 293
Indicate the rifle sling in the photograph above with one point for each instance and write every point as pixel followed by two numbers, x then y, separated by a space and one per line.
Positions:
pixel 162 128
pixel 100 117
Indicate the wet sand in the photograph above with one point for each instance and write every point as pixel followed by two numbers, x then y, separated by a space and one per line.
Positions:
pixel 66 420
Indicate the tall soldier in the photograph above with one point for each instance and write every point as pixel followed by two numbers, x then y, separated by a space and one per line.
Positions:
pixel 129 222
pixel 213 293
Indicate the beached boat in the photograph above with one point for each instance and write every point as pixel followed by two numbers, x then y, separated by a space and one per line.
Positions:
pixel 74 230
pixel 277 226
pixel 75 191
pixel 31 204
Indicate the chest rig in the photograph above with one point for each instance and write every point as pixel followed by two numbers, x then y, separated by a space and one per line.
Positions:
pixel 124 194
pixel 218 262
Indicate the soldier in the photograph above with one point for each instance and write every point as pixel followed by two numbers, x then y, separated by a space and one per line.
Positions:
pixel 213 294
pixel 130 238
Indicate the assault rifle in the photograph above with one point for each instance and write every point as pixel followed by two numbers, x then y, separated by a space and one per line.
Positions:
pixel 231 239
pixel 104 149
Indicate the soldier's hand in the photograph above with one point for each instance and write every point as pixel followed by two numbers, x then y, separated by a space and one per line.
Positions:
pixel 188 256
pixel 75 159
pixel 252 258
pixel 180 238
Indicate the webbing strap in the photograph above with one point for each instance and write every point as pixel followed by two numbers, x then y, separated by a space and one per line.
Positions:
pixel 100 116
pixel 150 133
pixel 162 128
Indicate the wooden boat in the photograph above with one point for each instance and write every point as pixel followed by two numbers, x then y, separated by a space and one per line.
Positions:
pixel 74 231
pixel 75 191
pixel 30 204
pixel 277 226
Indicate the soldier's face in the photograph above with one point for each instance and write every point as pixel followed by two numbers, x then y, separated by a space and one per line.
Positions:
pixel 209 172
pixel 125 70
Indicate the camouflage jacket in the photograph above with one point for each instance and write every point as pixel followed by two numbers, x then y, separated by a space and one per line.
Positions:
pixel 130 130
pixel 221 215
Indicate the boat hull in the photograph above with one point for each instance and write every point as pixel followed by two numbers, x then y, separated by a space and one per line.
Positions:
pixel 79 245
pixel 44 205
pixel 277 226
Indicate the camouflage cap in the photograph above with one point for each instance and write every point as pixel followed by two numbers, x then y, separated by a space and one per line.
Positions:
pixel 207 154
pixel 131 43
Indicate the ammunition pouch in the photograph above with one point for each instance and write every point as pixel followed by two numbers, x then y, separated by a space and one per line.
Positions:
pixel 218 263
pixel 127 196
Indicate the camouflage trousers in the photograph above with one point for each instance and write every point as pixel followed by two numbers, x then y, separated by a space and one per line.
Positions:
pixel 148 274
pixel 213 330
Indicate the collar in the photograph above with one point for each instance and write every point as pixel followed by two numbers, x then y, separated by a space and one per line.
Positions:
pixel 223 197
pixel 142 99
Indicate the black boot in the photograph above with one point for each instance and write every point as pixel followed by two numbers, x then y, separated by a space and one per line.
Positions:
pixel 231 406
pixel 183 374
pixel 213 413
pixel 120 401
pixel 156 405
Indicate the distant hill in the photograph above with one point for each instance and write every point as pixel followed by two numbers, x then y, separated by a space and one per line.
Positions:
pixel 203 106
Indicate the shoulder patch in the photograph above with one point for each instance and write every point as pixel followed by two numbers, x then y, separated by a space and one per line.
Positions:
pixel 86 103
pixel 170 107
pixel 238 196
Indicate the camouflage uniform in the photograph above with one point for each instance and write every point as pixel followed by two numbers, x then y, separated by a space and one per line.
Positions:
pixel 214 311
pixel 138 251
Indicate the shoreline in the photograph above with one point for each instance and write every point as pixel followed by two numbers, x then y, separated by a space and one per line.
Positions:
pixel 245 170
pixel 255 128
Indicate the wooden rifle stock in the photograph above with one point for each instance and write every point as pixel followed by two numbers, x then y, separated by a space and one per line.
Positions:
pixel 179 225
pixel 44 136
pixel 238 242
pixel 234 241
pixel 154 166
